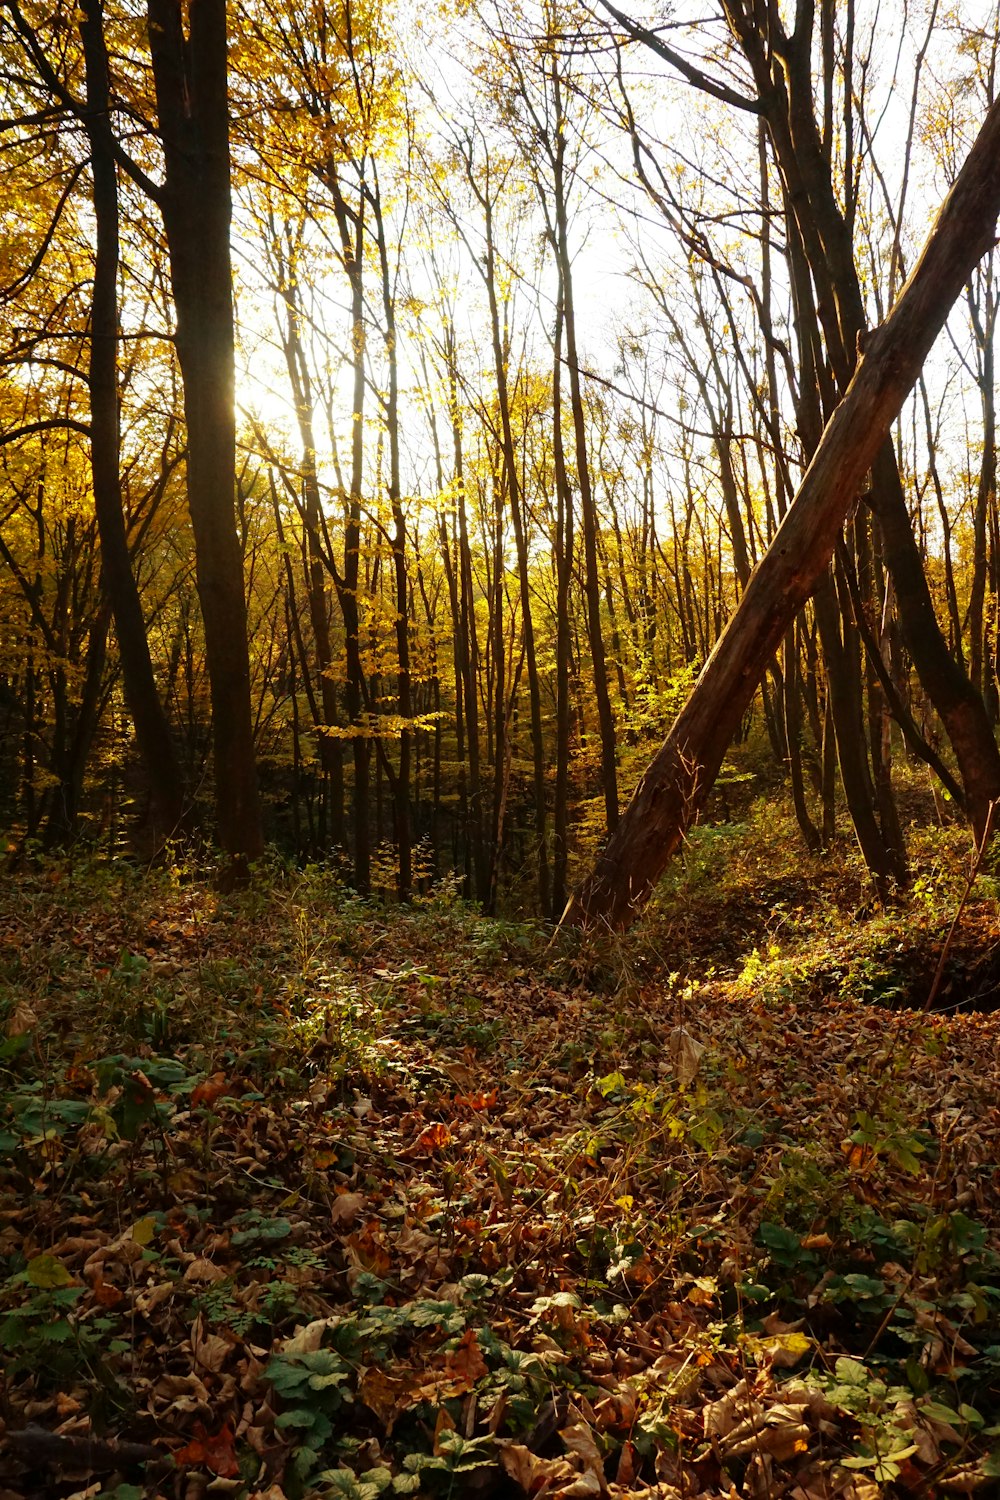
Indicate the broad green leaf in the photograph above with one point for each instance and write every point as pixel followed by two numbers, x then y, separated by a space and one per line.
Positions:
pixel 777 1237
pixel 53 1333
pixel 406 1484
pixel 864 1286
pixel 315 1422
pixel 938 1412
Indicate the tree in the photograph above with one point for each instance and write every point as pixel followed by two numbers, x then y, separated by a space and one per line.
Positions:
pixel 190 75
pixel 49 76
pixel 151 723
pixel 681 775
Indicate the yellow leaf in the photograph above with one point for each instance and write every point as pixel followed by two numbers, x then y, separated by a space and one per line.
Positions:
pixel 47 1272
pixel 144 1229
pixel 786 1349
pixel 103 1118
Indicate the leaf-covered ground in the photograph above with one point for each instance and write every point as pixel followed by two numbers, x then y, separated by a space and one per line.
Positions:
pixel 300 1197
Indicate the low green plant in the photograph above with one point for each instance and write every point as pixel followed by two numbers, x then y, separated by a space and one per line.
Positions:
pixel 880 1410
pixel 314 1387
pixel 890 1417
pixel 39 1332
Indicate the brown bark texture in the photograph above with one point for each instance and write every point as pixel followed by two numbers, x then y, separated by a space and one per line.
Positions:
pixel 151 723
pixel 190 76
pixel 676 784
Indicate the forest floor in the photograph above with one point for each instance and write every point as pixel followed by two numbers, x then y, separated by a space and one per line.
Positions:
pixel 301 1196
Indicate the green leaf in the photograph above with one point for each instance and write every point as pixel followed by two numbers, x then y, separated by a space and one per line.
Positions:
pixel 428 1314
pixel 938 1412
pixel 783 1242
pixel 354 1487
pixel 265 1229
pixel 851 1371
pixel 54 1333
pixel 406 1484
pixel 864 1286
pixel 73 1111
pixel 323 1382
pixel 460 1455
pixel 755 1291
pixel 558 1299
pixel 904 1157
pixel 991 1464
pixel 13 1046
pixel 316 1423
pixel 286 1377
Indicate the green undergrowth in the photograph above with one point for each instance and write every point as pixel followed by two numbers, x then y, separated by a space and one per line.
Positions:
pixel 305 1191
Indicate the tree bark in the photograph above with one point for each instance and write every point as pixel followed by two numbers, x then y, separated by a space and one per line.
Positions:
pixel 351 229
pixel 984 324
pixel 781 66
pixel 466 622
pixel 680 777
pixel 404 690
pixel 316 565
pixel 515 498
pixel 151 724
pixel 190 77
pixel 588 513
pixel 564 579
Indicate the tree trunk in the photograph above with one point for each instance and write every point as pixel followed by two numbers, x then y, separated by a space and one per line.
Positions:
pixel 470 637
pixel 151 724
pixel 843 687
pixel 564 579
pixel 73 732
pixel 781 67
pixel 984 324
pixel 677 783
pixel 404 694
pixel 351 228
pixel 588 517
pixel 792 718
pixel 190 77
pixel 513 487
pixel 316 563
pixel 837 630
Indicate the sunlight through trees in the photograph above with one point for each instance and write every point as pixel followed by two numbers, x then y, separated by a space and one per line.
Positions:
pixel 402 410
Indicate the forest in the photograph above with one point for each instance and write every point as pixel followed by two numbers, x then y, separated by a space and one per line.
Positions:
pixel 499 767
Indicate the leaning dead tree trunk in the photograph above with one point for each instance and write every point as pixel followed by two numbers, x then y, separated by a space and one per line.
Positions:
pixel 678 781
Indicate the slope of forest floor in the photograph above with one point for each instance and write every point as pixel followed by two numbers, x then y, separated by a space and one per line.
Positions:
pixel 300 1196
